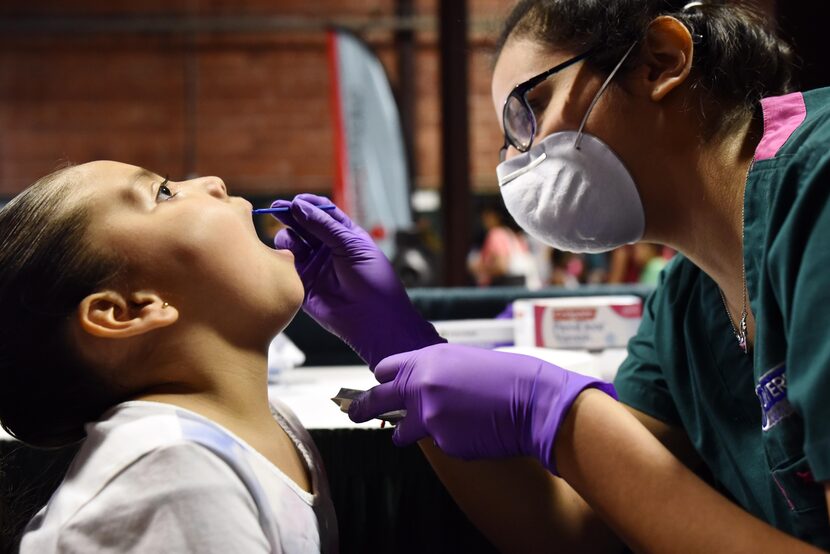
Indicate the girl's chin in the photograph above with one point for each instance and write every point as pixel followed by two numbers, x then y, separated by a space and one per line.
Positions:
pixel 285 253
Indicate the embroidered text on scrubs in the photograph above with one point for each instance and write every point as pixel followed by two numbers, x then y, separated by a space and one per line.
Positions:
pixel 772 392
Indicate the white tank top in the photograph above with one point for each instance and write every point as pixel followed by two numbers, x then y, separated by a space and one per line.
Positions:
pixel 152 477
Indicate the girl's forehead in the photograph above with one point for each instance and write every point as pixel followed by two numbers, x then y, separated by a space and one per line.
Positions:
pixel 106 172
pixel 106 188
pixel 107 179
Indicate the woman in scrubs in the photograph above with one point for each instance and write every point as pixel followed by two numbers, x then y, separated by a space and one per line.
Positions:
pixel 630 120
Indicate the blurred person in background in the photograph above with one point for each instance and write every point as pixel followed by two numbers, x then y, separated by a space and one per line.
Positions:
pixel 504 258
pixel 567 269
pixel 652 259
pixel 638 263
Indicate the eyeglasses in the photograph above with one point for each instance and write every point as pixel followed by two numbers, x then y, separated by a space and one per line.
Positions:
pixel 517 117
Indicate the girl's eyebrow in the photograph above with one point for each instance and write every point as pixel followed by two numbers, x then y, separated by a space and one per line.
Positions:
pixel 142 173
pixel 136 190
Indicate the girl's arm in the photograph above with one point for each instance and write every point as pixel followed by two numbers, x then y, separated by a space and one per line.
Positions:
pixel 645 494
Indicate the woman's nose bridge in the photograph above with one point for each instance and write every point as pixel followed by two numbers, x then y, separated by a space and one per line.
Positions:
pixel 511 153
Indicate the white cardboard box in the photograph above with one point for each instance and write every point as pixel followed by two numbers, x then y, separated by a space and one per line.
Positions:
pixel 486 333
pixel 589 322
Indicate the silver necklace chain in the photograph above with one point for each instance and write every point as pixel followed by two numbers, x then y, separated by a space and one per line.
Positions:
pixel 740 331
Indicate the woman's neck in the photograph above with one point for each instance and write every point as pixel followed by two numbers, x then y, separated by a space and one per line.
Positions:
pixel 701 212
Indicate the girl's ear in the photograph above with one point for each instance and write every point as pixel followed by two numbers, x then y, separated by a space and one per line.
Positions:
pixel 666 57
pixel 109 314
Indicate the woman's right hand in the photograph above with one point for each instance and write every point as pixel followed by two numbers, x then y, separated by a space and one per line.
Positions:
pixel 475 403
pixel 351 288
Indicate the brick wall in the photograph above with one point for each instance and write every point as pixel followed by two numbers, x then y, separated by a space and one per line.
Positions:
pixel 252 108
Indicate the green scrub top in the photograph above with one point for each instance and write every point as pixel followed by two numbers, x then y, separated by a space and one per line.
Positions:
pixel 760 422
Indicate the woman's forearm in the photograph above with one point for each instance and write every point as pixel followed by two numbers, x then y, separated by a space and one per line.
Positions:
pixel 645 494
pixel 520 507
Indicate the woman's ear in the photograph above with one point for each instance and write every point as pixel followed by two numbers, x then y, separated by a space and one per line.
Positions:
pixel 109 314
pixel 666 56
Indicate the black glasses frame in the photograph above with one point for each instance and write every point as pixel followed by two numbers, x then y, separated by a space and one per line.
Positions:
pixel 520 92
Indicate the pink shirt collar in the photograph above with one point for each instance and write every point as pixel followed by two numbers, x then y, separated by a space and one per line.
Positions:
pixel 782 116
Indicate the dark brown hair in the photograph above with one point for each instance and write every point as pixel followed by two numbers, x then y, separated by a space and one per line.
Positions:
pixel 46 269
pixel 739 58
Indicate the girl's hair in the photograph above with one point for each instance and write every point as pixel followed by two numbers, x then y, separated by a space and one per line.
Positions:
pixel 738 57
pixel 47 392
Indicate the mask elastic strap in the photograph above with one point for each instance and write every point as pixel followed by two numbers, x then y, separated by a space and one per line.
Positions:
pixel 604 86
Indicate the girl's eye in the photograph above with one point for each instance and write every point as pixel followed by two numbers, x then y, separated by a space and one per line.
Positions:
pixel 164 193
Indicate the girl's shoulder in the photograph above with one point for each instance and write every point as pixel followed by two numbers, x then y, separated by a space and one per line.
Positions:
pixel 139 480
pixel 174 498
pixel 162 467
pixel 132 434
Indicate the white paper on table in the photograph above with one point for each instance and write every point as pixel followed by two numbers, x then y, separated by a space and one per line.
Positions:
pixel 307 391
pixel 599 365
pixel 283 355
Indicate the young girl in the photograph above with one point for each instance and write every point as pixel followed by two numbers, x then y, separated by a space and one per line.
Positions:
pixel 137 312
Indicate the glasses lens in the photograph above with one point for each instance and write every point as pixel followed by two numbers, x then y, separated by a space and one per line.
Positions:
pixel 518 123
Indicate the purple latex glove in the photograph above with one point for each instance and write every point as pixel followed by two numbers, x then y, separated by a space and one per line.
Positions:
pixel 351 288
pixel 475 403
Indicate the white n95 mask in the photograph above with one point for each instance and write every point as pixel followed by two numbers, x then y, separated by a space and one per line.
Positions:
pixel 572 192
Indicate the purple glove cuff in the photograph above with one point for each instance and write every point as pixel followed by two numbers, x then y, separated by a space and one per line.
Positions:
pixel 545 430
pixel 375 341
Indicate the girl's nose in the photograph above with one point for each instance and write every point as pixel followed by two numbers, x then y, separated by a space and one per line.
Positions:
pixel 215 187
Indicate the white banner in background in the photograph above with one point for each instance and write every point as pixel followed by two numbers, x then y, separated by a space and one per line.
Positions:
pixel 371 181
